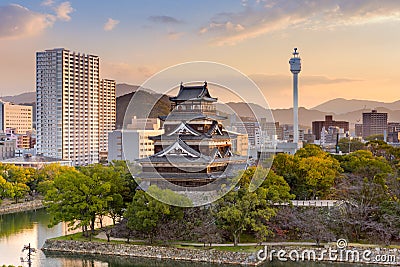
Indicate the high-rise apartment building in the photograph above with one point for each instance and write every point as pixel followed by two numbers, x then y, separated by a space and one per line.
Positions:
pixel 107 114
pixel 374 122
pixel 68 98
pixel 17 117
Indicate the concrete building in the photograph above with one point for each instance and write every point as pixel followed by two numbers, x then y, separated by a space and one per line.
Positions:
pixel 272 128
pixel 358 129
pixel 374 122
pixel 288 133
pixel 393 132
pixel 37 162
pixel 328 122
pixel 249 126
pixel 69 101
pixel 137 139
pixel 107 114
pixel 18 117
pixel 240 143
pixel 23 141
pixel 7 147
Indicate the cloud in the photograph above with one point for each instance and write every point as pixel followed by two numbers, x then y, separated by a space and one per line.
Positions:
pixel 110 24
pixel 63 11
pixel 17 21
pixel 263 17
pixel 281 80
pixel 47 3
pixel 164 19
pixel 175 35
pixel 278 88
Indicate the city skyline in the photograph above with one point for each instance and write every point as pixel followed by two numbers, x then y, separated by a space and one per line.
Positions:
pixel 348 49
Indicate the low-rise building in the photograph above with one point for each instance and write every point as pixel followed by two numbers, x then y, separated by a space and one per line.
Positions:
pixel 37 162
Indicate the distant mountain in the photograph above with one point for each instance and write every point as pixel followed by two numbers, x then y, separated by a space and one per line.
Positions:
pixel 123 89
pixel 341 109
pixel 29 97
pixel 342 106
pixel 157 104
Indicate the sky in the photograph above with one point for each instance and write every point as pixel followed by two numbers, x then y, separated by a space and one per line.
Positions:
pixel 349 48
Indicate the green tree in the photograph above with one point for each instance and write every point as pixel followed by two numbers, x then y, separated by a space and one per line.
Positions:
pixel 45 176
pixel 18 191
pixel 77 198
pixel 354 144
pixel 5 188
pixel 242 210
pixel 374 137
pixel 310 173
pixel 145 213
pixel 320 175
pixel 364 164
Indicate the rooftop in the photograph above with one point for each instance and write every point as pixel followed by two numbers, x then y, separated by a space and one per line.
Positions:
pixel 33 159
pixel 199 92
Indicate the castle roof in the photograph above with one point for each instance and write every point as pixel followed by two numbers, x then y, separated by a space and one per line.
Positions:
pixel 193 93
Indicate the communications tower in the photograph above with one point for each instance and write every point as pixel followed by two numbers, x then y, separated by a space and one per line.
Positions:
pixel 295 68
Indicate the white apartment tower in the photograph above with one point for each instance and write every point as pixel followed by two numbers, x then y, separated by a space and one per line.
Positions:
pixel 107 113
pixel 68 105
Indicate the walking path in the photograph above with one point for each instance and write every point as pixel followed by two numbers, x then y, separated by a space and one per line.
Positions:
pixel 102 235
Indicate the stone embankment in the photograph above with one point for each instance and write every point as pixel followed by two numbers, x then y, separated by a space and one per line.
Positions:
pixel 6 208
pixel 360 255
pixel 170 253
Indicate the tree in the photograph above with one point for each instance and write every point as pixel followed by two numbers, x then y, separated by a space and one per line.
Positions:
pixel 310 173
pixel 296 223
pixel 145 214
pixel 320 175
pixel 5 188
pixel 364 164
pixel 45 176
pixel 374 137
pixel 77 198
pixel 354 144
pixel 243 209
pixel 18 191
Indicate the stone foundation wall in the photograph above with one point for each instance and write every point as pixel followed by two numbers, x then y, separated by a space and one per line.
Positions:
pixel 195 255
pixel 212 255
pixel 23 206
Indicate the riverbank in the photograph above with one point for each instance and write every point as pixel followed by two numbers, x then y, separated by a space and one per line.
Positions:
pixel 351 254
pixel 10 207
pixel 156 252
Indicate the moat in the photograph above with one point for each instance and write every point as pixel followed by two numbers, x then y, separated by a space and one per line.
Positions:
pixel 19 229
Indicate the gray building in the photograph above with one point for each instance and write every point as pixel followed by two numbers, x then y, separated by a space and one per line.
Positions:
pixel 374 122
pixel 7 148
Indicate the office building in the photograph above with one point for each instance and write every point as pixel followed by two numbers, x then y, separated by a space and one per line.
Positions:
pixel 374 122
pixel 136 137
pixel 317 126
pixel 68 101
pixel 358 127
pixel 17 117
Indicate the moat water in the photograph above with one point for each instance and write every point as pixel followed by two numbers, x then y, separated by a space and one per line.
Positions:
pixel 19 229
